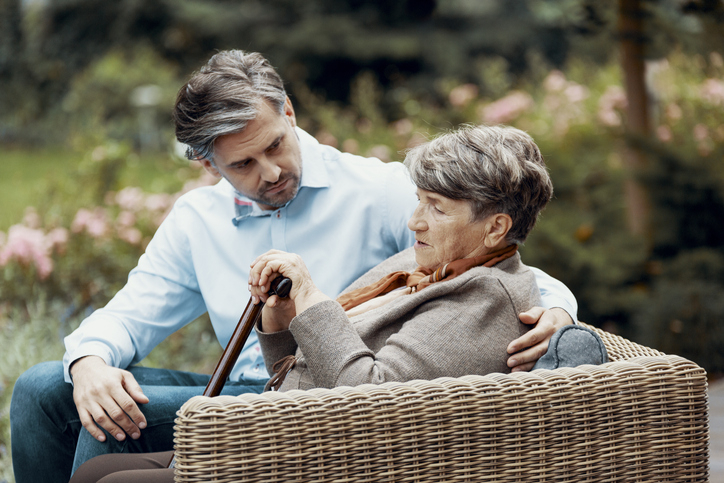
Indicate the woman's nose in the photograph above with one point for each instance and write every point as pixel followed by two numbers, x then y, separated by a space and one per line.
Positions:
pixel 416 221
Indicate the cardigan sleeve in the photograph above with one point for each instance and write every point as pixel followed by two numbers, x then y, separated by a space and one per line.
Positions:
pixel 464 332
pixel 275 346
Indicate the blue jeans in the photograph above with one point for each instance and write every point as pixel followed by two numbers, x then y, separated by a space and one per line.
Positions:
pixel 48 440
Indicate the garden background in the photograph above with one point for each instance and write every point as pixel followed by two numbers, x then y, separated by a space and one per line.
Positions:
pixel 625 100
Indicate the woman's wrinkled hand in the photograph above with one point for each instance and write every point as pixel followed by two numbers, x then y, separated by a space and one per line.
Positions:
pixel 278 312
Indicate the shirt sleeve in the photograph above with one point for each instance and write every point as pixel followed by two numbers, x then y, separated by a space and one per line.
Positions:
pixel 160 297
pixel 554 293
pixel 399 202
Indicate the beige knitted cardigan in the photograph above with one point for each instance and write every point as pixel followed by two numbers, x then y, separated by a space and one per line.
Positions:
pixel 451 328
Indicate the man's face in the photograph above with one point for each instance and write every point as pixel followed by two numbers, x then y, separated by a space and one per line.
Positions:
pixel 264 161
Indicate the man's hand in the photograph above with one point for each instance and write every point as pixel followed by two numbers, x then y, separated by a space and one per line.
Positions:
pixel 535 341
pixel 107 397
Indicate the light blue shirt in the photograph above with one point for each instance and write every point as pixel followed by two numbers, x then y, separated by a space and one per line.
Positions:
pixel 349 215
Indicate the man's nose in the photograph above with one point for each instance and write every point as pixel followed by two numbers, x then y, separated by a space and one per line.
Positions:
pixel 269 171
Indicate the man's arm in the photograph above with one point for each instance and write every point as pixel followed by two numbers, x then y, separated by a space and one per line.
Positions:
pixel 559 309
pixel 159 298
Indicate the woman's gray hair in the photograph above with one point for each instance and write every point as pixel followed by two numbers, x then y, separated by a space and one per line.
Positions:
pixel 222 97
pixel 499 169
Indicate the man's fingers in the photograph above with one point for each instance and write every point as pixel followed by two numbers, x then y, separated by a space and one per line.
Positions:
pixel 523 367
pixel 106 421
pixel 135 391
pixel 529 339
pixel 528 356
pixel 89 424
pixel 130 406
pixel 531 316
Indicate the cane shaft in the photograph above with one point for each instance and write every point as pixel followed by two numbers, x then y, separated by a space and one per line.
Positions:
pixel 280 286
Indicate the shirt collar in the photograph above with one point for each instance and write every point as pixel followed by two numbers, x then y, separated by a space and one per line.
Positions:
pixel 314 175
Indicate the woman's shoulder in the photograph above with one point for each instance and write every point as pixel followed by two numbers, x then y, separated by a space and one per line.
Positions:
pixel 404 260
pixel 513 276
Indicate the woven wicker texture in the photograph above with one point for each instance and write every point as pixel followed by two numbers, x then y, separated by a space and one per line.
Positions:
pixel 641 419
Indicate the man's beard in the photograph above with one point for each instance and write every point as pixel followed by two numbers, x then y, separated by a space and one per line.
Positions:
pixel 277 200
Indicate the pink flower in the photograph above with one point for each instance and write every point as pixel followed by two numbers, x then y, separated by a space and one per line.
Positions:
pixel 461 96
pixel 130 198
pixel 131 235
pixel 712 91
pixel 326 137
pixel 576 92
pixel 126 219
pixel 28 247
pixel 350 146
pixel 506 109
pixel 381 152
pixel 403 127
pixel 158 202
pixel 611 101
pixel 56 240
pixel 674 112
pixel 555 81
pixel 701 132
pixel 31 218
pixel 95 222
pixel 664 133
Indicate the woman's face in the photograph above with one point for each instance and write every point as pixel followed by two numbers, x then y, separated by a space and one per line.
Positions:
pixel 444 230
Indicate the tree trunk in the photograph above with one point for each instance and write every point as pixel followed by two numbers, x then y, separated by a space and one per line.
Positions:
pixel 634 69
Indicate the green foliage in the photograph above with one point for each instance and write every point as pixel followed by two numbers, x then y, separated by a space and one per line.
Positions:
pixel 100 100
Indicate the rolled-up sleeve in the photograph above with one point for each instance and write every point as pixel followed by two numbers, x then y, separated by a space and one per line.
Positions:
pixel 161 296
pixel 554 293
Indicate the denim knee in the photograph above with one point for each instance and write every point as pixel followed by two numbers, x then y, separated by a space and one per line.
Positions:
pixel 41 387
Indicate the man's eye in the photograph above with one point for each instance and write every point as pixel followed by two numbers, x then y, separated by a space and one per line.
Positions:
pixel 275 146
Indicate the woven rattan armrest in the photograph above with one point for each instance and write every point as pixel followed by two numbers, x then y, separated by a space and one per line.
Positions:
pixel 641 419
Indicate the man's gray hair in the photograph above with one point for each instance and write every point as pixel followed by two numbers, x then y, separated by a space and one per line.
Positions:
pixel 499 169
pixel 222 97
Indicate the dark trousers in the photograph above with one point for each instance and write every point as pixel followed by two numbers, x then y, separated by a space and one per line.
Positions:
pixel 126 468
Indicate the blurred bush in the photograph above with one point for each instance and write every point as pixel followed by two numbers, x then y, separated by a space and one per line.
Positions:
pixel 73 252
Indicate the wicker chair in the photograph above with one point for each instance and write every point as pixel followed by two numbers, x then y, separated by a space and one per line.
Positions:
pixel 642 417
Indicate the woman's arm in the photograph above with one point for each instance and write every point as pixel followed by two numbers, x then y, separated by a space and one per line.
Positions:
pixel 463 331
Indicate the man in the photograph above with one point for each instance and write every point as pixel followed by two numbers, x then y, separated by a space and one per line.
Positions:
pixel 280 189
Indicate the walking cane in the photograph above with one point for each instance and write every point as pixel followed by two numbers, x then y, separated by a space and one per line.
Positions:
pixel 280 287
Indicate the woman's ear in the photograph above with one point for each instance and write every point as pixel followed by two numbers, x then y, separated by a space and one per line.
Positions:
pixel 496 229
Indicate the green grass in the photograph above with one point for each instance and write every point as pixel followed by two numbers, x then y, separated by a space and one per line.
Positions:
pixel 29 177
pixel 25 177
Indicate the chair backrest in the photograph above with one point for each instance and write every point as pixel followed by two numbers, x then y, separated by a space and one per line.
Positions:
pixel 639 419
pixel 620 349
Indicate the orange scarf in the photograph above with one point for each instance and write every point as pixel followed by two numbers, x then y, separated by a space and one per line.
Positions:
pixel 422 277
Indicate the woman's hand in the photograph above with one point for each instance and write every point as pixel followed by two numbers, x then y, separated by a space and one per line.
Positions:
pixel 278 313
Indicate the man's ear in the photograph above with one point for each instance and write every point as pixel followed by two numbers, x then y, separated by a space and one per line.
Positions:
pixel 209 166
pixel 289 112
pixel 497 227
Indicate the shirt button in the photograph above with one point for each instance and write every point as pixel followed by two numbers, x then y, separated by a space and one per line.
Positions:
pixel 279 215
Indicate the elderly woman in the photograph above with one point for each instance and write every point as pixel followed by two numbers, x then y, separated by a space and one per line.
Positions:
pixel 446 307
